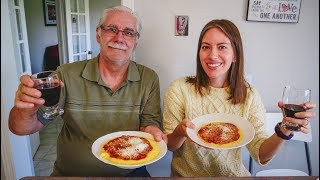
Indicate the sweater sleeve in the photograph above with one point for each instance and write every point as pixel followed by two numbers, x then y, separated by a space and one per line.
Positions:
pixel 174 106
pixel 257 115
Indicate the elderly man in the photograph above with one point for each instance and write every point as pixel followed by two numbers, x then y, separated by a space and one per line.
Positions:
pixel 102 95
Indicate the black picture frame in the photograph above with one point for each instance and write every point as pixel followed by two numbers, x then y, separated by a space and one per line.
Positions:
pixel 49 10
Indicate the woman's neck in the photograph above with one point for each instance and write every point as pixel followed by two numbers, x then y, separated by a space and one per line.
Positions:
pixel 219 83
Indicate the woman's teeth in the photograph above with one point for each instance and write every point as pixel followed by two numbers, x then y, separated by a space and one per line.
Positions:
pixel 214 65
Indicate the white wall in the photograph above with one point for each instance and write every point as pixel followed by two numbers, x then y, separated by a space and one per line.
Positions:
pixel 276 54
pixel 39 35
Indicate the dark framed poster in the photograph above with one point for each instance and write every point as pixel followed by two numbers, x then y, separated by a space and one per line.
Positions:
pixel 49 9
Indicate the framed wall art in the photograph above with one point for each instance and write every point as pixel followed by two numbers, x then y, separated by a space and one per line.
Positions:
pixel 286 11
pixel 49 9
pixel 181 25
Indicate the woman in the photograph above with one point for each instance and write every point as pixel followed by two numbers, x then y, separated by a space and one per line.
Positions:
pixel 219 87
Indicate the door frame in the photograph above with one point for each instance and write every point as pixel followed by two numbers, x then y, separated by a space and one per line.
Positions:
pixel 16 163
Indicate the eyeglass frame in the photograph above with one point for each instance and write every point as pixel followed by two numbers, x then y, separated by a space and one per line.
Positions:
pixel 109 29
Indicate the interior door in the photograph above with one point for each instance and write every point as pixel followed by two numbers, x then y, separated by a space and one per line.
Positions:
pixel 22 53
pixel 22 50
pixel 78 32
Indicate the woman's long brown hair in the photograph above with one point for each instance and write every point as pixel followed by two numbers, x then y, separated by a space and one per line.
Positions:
pixel 238 85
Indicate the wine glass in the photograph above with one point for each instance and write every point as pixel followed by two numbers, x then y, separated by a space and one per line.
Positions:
pixel 48 83
pixel 293 102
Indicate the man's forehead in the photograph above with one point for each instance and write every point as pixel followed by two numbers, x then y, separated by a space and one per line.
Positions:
pixel 121 19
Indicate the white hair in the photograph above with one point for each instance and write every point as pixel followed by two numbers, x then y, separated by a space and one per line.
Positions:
pixel 106 13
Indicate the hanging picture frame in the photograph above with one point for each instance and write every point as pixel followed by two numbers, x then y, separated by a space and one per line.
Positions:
pixel 181 25
pixel 284 11
pixel 49 9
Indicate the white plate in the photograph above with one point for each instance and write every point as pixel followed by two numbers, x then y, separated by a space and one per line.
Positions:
pixel 245 127
pixel 96 146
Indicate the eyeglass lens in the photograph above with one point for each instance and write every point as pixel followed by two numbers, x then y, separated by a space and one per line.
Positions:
pixel 113 31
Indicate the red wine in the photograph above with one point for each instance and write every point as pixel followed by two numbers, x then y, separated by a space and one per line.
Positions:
pixel 50 93
pixel 291 109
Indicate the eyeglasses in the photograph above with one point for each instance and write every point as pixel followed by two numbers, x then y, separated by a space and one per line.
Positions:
pixel 128 34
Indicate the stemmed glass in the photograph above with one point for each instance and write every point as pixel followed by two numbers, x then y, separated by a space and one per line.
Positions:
pixel 294 100
pixel 48 83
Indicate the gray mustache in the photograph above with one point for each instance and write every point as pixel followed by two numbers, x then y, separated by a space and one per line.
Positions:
pixel 118 46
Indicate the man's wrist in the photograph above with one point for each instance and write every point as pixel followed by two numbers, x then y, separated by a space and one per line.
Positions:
pixel 40 118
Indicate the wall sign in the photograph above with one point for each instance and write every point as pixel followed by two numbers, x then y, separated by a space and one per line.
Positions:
pixel 274 10
pixel 181 25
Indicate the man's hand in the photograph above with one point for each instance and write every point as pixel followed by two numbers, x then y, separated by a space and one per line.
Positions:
pixel 157 134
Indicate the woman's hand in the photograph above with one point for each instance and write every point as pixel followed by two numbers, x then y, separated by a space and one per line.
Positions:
pixel 181 129
pixel 179 135
pixel 302 118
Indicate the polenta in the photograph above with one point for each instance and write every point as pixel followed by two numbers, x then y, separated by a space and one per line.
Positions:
pixel 130 150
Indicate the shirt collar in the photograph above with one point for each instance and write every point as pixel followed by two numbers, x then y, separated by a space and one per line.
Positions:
pixel 133 72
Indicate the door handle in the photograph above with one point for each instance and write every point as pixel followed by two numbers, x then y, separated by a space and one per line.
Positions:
pixel 89 52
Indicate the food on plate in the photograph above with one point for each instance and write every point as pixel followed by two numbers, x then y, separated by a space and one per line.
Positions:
pixel 130 150
pixel 220 133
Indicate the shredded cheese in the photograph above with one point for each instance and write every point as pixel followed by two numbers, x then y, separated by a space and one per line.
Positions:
pixel 224 128
pixel 136 147
pixel 134 140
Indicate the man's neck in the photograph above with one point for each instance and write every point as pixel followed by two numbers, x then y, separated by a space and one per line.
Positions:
pixel 113 73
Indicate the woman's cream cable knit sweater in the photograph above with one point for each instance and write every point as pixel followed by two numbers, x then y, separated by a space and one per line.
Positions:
pixel 181 101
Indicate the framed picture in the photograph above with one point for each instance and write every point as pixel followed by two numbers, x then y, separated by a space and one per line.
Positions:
pixel 181 25
pixel 286 11
pixel 49 9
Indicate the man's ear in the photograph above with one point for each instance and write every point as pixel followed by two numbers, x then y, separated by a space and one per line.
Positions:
pixel 97 35
pixel 98 38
